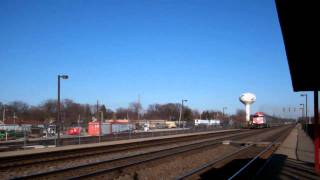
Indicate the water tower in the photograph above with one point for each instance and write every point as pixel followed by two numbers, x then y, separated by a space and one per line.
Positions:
pixel 247 99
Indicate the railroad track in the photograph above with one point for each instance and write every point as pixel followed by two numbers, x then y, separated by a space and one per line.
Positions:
pixel 117 165
pixel 255 161
pixel 55 156
pixel 15 166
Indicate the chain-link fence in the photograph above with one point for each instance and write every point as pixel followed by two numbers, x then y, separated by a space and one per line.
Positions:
pixel 27 136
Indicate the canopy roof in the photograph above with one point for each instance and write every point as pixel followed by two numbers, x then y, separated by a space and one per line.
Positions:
pixel 299 21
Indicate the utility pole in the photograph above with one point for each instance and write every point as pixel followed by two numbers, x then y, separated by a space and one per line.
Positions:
pixel 307 108
pixel 97 112
pixel 138 107
pixel 181 111
pixel 180 114
pixel 128 114
pixel 14 117
pixel 4 114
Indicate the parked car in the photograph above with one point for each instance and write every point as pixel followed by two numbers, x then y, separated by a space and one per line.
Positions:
pixel 74 131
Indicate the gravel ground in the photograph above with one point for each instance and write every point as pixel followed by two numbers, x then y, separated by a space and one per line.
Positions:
pixel 170 168
pixel 266 136
pixel 181 164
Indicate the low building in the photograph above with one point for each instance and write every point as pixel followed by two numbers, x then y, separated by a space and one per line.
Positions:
pixel 207 122
pixel 109 127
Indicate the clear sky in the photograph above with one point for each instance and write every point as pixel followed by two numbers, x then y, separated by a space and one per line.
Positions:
pixel 206 51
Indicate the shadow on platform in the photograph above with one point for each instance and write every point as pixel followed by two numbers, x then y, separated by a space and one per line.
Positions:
pixel 281 167
pixel 278 167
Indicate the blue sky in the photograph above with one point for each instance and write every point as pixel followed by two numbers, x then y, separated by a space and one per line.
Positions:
pixel 206 51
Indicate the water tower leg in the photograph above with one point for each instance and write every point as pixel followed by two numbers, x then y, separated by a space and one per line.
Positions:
pixel 247 113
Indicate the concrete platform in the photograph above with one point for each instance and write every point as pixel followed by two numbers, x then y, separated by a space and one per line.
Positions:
pixel 293 159
pixel 305 149
pixel 161 130
pixel 83 146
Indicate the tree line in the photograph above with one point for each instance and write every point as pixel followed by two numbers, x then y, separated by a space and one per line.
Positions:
pixel 71 112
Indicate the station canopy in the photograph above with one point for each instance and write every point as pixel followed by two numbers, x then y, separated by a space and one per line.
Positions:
pixel 299 21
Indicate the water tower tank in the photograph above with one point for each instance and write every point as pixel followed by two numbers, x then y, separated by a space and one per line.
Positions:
pixel 247 99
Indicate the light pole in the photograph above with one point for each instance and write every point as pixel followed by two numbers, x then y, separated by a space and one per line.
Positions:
pixel 181 111
pixel 58 116
pixel 302 110
pixel 306 110
pixel 100 125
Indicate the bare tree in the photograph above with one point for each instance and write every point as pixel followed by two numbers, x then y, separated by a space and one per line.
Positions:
pixel 123 113
pixel 135 108
pixel 169 111
pixel 108 113
pixel 240 116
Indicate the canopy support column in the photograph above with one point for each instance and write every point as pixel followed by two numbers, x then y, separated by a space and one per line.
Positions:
pixel 316 131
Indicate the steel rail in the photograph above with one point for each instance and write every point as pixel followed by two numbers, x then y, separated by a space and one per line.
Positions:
pixel 196 170
pixel 251 161
pixel 258 156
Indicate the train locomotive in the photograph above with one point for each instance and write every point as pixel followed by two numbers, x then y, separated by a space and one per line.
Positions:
pixel 259 120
